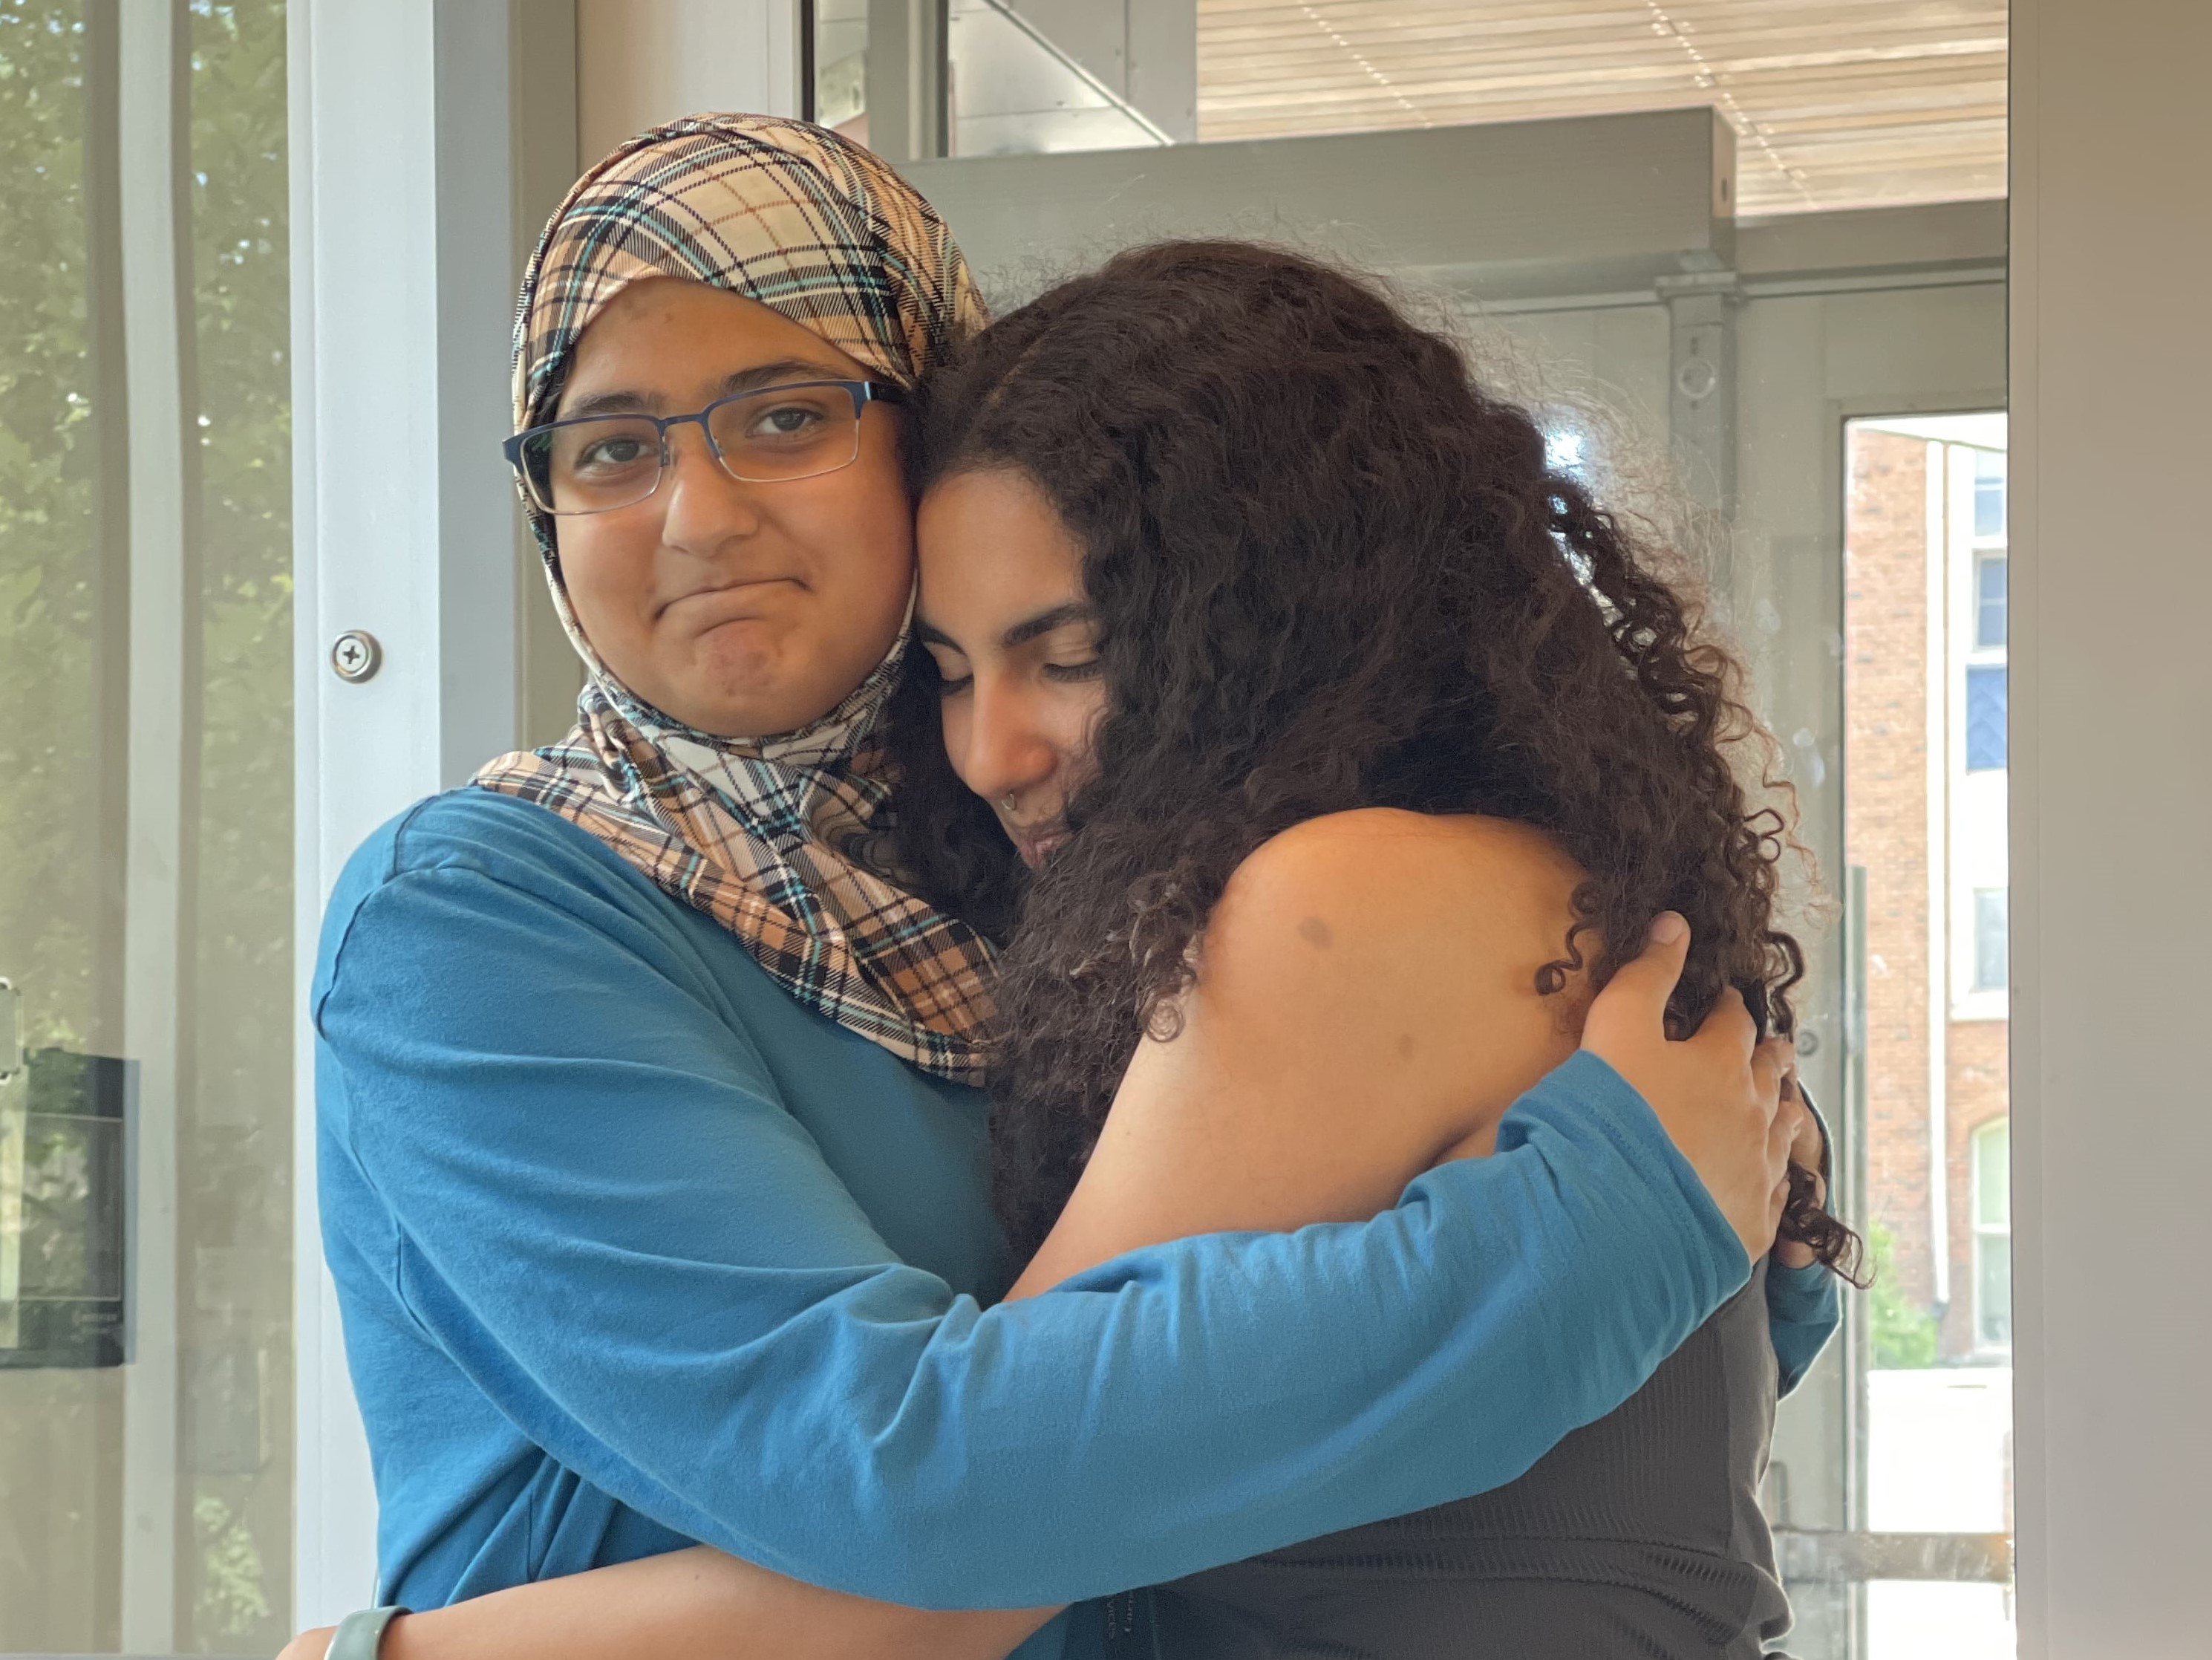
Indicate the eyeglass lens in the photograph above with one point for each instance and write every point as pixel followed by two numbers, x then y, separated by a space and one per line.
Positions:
pixel 614 461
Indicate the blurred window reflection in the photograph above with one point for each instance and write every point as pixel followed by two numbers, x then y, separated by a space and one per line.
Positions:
pixel 148 1505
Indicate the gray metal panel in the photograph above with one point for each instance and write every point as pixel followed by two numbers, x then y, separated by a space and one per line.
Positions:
pixel 1953 236
pixel 1507 207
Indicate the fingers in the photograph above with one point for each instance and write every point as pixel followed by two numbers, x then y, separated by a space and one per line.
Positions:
pixel 1772 1064
pixel 1781 1136
pixel 1635 999
pixel 1729 1026
pixel 1805 1145
pixel 1780 1131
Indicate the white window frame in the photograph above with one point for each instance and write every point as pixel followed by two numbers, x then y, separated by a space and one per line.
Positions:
pixel 407 164
pixel 1988 1235
pixel 1971 833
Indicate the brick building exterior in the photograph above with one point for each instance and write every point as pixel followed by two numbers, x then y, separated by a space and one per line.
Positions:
pixel 1900 685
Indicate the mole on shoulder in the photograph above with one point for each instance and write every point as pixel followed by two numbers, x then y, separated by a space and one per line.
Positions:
pixel 1407 1046
pixel 1315 932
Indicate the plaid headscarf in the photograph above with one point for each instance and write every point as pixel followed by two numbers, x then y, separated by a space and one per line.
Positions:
pixel 773 837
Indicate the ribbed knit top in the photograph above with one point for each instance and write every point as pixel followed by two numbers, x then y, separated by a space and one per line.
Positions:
pixel 1639 1534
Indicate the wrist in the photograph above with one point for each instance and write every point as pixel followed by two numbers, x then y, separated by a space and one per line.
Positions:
pixel 1626 1152
pixel 360 1635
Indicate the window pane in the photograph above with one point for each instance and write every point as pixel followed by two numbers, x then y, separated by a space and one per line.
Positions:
pixel 234 1204
pixel 1985 718
pixel 841 67
pixel 61 459
pixel 1989 573
pixel 1993 1175
pixel 1029 75
pixel 1992 945
pixel 1038 78
pixel 1937 1400
pixel 148 1507
pixel 1993 1289
pixel 1794 76
pixel 1989 495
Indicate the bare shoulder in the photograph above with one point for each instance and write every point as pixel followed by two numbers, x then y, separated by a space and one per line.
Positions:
pixel 1366 1003
pixel 1379 879
pixel 1384 839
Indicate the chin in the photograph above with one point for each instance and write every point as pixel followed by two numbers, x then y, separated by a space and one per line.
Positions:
pixel 763 703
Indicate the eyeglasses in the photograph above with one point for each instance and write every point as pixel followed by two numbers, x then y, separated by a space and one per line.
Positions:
pixel 597 463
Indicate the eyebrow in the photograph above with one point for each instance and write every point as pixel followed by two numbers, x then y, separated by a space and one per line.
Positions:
pixel 782 371
pixel 1029 629
pixel 1075 610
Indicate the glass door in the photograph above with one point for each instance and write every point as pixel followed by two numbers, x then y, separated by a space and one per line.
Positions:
pixel 1702 248
pixel 145 830
pixel 1925 703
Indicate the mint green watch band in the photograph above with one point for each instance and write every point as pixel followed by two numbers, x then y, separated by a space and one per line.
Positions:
pixel 359 1634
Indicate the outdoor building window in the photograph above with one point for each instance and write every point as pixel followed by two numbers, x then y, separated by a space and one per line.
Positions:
pixel 1992 1198
pixel 1991 940
pixel 1985 716
pixel 1989 598
pixel 1989 495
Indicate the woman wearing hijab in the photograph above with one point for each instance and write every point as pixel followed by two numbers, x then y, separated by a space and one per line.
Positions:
pixel 653 1174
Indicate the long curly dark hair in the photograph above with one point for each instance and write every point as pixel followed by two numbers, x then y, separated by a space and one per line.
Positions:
pixel 1331 572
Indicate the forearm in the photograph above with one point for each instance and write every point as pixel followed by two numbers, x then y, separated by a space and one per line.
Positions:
pixel 693 1317
pixel 1191 1405
pixel 697 1604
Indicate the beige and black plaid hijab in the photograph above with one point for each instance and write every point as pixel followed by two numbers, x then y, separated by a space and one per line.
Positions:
pixel 769 837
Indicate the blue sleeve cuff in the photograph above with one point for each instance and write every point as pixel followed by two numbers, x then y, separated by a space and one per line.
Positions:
pixel 1804 1306
pixel 1584 1098
pixel 1800 1296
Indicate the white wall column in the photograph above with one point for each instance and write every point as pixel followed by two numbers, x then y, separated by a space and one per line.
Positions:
pixel 640 64
pixel 2111 790
pixel 403 266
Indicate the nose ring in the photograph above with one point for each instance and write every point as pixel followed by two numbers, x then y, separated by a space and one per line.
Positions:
pixel 1007 802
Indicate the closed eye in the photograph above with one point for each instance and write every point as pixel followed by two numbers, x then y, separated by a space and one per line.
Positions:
pixel 953 674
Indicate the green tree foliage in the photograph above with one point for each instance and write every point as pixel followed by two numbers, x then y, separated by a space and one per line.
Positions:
pixel 48 570
pixel 1903 1336
pixel 57 1565
pixel 240 276
pixel 237 1198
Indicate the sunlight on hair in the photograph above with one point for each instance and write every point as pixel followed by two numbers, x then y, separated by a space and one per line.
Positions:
pixel 1564 450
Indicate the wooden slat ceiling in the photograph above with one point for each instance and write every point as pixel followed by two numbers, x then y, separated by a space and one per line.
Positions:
pixel 1835 103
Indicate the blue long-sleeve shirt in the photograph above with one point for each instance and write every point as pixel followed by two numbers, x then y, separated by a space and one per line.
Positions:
pixel 634 1250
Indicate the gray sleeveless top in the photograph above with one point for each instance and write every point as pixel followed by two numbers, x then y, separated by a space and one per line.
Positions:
pixel 1637 1536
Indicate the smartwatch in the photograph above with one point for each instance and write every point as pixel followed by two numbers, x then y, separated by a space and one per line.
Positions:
pixel 359 1634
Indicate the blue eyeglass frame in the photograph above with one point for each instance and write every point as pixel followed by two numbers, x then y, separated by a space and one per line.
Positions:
pixel 862 392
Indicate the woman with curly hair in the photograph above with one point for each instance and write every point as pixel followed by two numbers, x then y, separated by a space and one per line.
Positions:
pixel 1344 741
